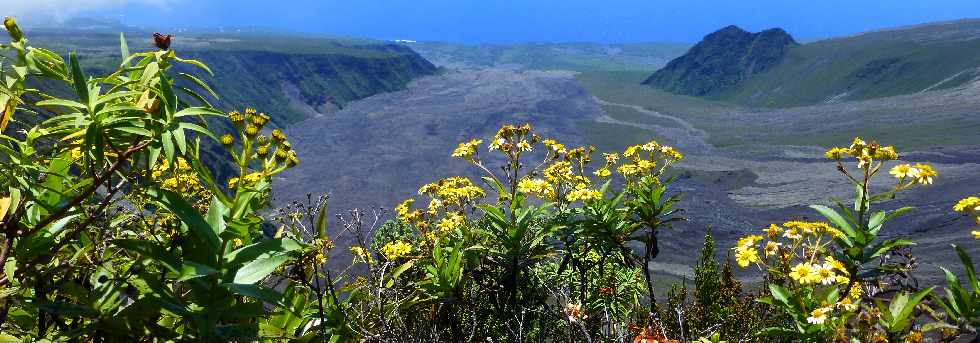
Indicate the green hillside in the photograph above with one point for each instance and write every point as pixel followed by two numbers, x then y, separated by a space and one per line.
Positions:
pixel 865 66
pixel 290 77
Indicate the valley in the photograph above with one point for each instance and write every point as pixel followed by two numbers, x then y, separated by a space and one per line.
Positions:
pixel 745 166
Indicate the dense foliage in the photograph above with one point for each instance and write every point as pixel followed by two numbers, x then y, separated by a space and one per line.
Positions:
pixel 113 229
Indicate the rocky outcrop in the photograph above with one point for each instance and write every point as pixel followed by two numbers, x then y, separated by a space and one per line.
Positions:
pixel 722 60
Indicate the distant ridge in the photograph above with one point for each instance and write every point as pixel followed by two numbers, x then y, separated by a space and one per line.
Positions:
pixel 722 60
pixel 726 65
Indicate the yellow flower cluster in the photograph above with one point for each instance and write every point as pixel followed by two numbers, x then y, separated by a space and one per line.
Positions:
pixel 828 273
pixel 582 192
pixel 863 151
pixel 555 147
pixel 275 154
pixel 921 173
pixel 536 187
pixel 746 252
pixel 453 191
pixel 394 250
pixel 452 221
pixel 466 150
pixel 181 178
pixel 647 159
pixel 512 138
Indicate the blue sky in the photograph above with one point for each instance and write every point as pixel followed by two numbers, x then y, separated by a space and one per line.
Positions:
pixel 512 20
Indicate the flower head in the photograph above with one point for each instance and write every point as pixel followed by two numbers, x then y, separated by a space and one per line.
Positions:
pixel 819 315
pixel 903 171
pixel 926 173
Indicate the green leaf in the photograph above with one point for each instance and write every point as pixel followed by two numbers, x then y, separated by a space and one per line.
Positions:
pixel 78 78
pixel 258 269
pixel 191 111
pixel 321 221
pixel 152 250
pixel 195 63
pixel 262 249
pixel 780 293
pixel 216 216
pixel 841 223
pixel 190 217
pixel 887 245
pixel 192 270
pixel 61 102
pixel 123 49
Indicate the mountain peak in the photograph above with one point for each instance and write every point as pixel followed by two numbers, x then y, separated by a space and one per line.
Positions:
pixel 723 59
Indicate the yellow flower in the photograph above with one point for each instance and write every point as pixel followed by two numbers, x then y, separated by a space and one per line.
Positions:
pixel 671 153
pixel 855 291
pixel 804 273
pixel 396 249
pixel 628 169
pixel 976 234
pixel 926 173
pixel 278 136
pixel 466 150
pixel 558 148
pixel 968 204
pixel 452 222
pixel 603 172
pixel 903 171
pixel 819 315
pixel 773 231
pixel 836 153
pixel 847 304
pixel 746 255
pixel 611 158
pixel 772 248
pixel 864 161
pixel 748 241
pixel 402 209
pixel 631 150
pixel 523 145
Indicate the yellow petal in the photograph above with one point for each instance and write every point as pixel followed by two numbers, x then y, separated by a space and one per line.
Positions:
pixel 4 206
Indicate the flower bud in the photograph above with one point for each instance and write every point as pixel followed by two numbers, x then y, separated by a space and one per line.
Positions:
pixel 278 136
pixel 251 130
pixel 227 140
pixel 11 25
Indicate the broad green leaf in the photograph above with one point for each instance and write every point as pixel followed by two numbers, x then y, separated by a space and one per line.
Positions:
pixel 123 49
pixel 216 216
pixel 257 269
pixel 259 292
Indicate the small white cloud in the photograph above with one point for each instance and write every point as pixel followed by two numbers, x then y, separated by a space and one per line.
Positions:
pixel 57 11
